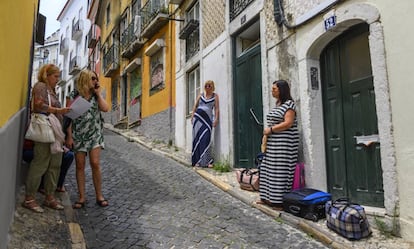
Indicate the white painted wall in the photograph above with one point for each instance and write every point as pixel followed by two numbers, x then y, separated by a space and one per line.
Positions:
pixel 397 21
pixel 216 65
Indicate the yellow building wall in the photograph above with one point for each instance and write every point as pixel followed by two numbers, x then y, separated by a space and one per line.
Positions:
pixel 165 98
pixel 106 30
pixel 16 29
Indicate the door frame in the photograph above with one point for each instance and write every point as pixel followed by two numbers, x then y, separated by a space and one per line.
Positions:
pixel 311 97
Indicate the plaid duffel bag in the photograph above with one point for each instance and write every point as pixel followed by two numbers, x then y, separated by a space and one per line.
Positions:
pixel 347 219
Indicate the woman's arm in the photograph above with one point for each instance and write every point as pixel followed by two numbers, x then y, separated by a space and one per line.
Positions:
pixel 288 121
pixel 194 108
pixel 216 110
pixel 102 105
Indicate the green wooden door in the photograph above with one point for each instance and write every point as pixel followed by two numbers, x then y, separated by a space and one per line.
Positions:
pixel 350 119
pixel 248 105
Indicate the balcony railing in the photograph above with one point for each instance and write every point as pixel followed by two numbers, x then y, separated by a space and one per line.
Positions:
pixel 131 40
pixel 64 46
pixel 192 44
pixel 188 28
pixel 77 28
pixel 92 36
pixel 154 16
pixel 237 7
pixel 111 60
pixel 74 65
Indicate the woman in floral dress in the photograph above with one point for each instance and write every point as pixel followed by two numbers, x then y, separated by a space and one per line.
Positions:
pixel 86 135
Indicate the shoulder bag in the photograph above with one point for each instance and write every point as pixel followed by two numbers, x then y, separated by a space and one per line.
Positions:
pixel 40 129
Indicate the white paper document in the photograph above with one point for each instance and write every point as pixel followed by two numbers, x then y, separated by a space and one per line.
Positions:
pixel 78 107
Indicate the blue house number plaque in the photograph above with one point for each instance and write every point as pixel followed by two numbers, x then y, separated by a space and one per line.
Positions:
pixel 330 22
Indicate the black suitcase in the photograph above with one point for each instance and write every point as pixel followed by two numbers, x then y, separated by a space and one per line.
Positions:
pixel 307 203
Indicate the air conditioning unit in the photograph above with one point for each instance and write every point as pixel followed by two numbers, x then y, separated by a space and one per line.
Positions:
pixel 137 26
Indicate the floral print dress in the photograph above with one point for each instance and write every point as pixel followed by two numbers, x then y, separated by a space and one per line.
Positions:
pixel 87 130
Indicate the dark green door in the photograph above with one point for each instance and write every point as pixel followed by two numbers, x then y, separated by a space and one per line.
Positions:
pixel 350 119
pixel 248 107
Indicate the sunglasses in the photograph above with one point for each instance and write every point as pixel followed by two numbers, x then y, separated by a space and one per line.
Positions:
pixel 207 86
pixel 94 78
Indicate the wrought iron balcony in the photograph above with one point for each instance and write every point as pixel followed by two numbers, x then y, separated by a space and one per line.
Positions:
pixel 237 7
pixel 64 46
pixel 192 44
pixel 92 36
pixel 111 61
pixel 131 40
pixel 189 27
pixel 74 65
pixel 77 28
pixel 154 16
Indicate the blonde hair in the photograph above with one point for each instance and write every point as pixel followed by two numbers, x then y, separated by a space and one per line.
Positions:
pixel 46 70
pixel 82 83
pixel 210 82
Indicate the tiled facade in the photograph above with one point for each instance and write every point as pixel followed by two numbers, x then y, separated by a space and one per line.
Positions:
pixel 214 20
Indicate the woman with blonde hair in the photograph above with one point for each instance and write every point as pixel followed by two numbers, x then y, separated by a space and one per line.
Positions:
pixel 85 135
pixel 44 101
pixel 203 120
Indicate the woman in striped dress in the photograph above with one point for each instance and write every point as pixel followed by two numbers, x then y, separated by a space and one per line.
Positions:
pixel 203 121
pixel 277 168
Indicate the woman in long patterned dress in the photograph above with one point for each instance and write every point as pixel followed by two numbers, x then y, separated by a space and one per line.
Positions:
pixel 86 136
pixel 203 121
pixel 278 166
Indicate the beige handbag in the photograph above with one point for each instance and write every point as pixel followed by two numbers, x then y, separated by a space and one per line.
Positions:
pixel 40 129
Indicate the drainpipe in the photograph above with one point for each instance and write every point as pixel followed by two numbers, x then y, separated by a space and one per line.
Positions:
pixel 171 136
pixel 279 13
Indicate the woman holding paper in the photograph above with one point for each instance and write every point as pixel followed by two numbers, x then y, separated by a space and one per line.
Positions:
pixel 85 135
pixel 45 162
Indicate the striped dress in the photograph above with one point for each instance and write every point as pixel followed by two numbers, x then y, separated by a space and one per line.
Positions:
pixel 201 154
pixel 278 166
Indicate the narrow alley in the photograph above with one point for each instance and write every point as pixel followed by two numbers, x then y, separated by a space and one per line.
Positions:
pixel 157 203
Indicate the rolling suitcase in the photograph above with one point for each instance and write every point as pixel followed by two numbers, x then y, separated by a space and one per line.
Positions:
pixel 307 203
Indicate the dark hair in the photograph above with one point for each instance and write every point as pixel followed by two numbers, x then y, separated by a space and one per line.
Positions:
pixel 284 90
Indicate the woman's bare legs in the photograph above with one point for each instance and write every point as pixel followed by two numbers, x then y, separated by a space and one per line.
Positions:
pixel 94 159
pixel 80 178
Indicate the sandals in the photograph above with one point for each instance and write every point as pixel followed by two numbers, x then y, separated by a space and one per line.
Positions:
pixel 53 204
pixel 78 205
pixel 102 203
pixel 32 205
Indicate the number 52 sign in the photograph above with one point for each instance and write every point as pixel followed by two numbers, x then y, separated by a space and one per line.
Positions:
pixel 330 22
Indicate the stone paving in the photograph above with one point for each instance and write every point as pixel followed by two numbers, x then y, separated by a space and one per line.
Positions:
pixel 156 202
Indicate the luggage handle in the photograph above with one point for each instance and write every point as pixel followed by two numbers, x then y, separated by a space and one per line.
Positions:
pixel 248 173
pixel 344 200
pixel 294 209
pixel 347 203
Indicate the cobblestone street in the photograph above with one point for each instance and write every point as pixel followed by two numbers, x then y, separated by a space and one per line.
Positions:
pixel 157 203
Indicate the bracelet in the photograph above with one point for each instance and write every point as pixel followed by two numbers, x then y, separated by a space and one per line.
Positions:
pixel 271 129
